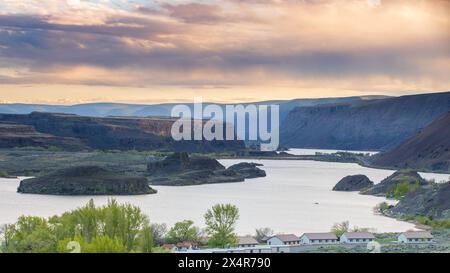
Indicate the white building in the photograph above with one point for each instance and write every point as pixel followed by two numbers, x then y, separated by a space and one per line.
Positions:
pixel 319 238
pixel 247 241
pixel 356 238
pixel 415 237
pixel 283 239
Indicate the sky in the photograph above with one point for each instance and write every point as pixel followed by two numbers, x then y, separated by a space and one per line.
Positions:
pixel 79 51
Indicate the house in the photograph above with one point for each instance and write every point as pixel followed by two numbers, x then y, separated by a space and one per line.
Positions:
pixel 415 237
pixel 356 237
pixel 283 239
pixel 183 246
pixel 319 238
pixel 169 246
pixel 247 241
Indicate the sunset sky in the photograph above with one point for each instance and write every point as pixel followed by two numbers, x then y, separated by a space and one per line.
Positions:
pixel 76 51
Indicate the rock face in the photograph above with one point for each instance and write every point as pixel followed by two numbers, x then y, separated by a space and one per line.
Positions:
pixel 180 169
pixel 432 201
pixel 375 124
pixel 14 135
pixel 353 183
pixel 112 133
pixel 401 176
pixel 427 150
pixel 85 180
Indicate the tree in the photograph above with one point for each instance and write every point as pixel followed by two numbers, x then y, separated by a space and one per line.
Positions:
pixel 29 235
pixel 262 233
pixel 159 232
pixel 183 231
pixel 340 228
pixel 145 239
pixel 220 224
pixel 111 228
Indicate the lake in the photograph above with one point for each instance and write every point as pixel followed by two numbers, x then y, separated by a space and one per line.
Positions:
pixel 299 151
pixel 294 197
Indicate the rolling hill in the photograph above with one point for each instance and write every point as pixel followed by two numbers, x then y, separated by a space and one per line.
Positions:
pixel 427 150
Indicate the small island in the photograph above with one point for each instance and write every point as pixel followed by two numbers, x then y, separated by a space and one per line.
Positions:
pixel 408 179
pixel 86 180
pixel 353 183
pixel 180 169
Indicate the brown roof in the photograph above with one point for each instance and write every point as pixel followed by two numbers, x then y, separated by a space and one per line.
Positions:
pixel 287 237
pixel 170 246
pixel 359 235
pixel 185 244
pixel 418 235
pixel 247 240
pixel 321 236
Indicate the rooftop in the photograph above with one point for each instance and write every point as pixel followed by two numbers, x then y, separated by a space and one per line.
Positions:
pixel 418 235
pixel 247 240
pixel 185 244
pixel 359 235
pixel 287 237
pixel 321 236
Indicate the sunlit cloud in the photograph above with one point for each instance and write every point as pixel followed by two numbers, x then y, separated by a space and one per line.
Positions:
pixel 282 48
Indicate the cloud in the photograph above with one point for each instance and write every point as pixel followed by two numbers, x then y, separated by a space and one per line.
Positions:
pixel 228 43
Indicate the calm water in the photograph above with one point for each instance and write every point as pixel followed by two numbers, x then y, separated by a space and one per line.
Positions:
pixel 298 151
pixel 295 197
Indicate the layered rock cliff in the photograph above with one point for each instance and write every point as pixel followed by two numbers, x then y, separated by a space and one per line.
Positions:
pixel 361 125
pixel 114 133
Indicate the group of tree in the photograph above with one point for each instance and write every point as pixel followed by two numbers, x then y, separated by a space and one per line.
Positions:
pixel 110 228
pixel 220 223
pixel 340 228
pixel 113 228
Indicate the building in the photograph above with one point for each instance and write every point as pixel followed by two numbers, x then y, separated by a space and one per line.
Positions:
pixel 183 246
pixel 319 238
pixel 171 247
pixel 284 239
pixel 415 237
pixel 247 241
pixel 356 238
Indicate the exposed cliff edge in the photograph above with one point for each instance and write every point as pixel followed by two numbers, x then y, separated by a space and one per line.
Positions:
pixel 362 125
pixel 353 183
pixel 86 180
pixel 72 132
pixel 180 169
pixel 427 150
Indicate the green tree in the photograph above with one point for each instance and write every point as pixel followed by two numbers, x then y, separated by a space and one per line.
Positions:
pixel 220 224
pixel 145 239
pixel 30 234
pixel 400 190
pixel 111 228
pixel 183 231
pixel 340 228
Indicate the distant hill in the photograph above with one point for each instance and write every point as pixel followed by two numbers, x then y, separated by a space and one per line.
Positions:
pixel 142 110
pixel 365 124
pixel 428 150
pixel 72 132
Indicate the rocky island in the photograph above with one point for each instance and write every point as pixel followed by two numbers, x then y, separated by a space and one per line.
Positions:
pixel 180 169
pixel 383 188
pixel 353 183
pixel 86 180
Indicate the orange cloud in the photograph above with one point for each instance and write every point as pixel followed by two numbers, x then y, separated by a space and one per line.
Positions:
pixel 267 48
